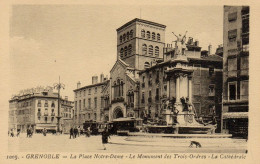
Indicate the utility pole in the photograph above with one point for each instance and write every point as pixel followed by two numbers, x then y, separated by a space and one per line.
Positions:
pixel 58 86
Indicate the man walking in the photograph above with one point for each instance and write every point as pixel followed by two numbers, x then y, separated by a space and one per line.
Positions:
pixel 75 132
pixel 71 133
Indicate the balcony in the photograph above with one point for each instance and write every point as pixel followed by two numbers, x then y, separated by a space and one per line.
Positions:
pixel 46 114
pixel 118 99
pixel 52 114
pixel 243 100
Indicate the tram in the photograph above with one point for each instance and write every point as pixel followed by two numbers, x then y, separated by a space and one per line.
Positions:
pixel 95 127
pixel 124 125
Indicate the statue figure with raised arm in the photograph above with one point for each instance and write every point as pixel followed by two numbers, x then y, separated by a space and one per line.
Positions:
pixel 180 44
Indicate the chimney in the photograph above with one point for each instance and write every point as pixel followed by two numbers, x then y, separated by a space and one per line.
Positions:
pixel 101 77
pixel 106 78
pixel 94 79
pixel 196 43
pixel 209 49
pixel 78 85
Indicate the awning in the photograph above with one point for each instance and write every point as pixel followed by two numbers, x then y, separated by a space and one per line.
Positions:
pixel 235 115
pixel 46 126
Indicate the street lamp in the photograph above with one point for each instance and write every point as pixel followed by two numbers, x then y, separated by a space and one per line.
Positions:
pixel 58 86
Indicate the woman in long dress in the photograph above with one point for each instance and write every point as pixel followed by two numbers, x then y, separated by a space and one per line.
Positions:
pixel 105 135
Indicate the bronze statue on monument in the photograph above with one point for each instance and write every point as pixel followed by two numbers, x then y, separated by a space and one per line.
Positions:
pixel 180 44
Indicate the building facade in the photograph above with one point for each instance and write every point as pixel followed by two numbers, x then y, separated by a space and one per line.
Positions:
pixel 38 109
pixel 235 70
pixel 88 101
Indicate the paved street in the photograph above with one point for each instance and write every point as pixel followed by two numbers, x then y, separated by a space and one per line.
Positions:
pixel 120 144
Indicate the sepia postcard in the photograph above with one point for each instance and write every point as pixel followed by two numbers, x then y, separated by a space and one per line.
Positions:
pixel 129 82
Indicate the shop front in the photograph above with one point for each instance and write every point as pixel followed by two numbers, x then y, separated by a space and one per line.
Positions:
pixel 236 123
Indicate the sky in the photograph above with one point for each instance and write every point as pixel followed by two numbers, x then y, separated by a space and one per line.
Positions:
pixel 76 42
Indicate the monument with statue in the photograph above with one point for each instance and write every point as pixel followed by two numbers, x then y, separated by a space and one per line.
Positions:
pixel 180 113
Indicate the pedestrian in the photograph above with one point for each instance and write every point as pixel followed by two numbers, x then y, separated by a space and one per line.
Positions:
pixel 44 132
pixel 30 131
pixel 18 132
pixel 27 132
pixel 105 135
pixel 12 133
pixel 75 132
pixel 71 132
pixel 88 132
pixel 78 130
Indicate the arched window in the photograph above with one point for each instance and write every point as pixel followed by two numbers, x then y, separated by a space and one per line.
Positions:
pixel 131 33
pixel 125 51
pixel 148 35
pixel 121 39
pixel 127 36
pixel 156 51
pixel 144 49
pixel 119 88
pixel 130 49
pixel 121 53
pixel 146 65
pixel 143 34
pixel 158 37
pixel 153 36
pixel 115 90
pixel 122 89
pixel 124 37
pixel 150 50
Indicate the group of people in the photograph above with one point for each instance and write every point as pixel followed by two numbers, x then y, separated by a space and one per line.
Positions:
pixel 74 132
pixel 12 133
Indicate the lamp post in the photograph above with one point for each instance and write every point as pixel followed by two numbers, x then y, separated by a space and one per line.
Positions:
pixel 58 86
